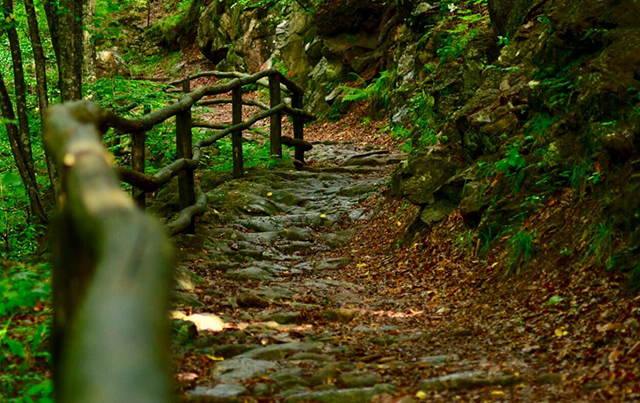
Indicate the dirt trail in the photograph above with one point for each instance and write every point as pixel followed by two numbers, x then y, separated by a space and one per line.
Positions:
pixel 301 286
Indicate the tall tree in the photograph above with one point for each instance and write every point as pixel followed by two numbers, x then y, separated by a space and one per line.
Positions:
pixel 69 34
pixel 19 82
pixel 28 177
pixel 41 76
pixel 89 63
pixel 51 11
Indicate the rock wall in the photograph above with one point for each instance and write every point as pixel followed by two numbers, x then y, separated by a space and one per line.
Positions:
pixel 316 49
pixel 504 101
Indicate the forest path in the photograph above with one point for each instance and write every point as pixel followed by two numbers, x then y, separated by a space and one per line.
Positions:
pixel 292 289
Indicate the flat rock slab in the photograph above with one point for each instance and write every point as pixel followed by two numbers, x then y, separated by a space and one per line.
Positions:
pixel 282 318
pixel 358 379
pixel 438 359
pixel 357 395
pixel 468 380
pixel 340 315
pixel 278 352
pixel 221 391
pixel 333 264
pixel 240 368
pixel 249 274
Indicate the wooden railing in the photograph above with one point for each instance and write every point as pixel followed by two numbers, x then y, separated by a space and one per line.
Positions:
pixel 112 262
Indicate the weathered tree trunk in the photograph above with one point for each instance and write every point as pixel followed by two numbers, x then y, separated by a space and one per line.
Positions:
pixel 89 63
pixel 28 178
pixel 53 21
pixel 70 23
pixel 41 77
pixel 19 83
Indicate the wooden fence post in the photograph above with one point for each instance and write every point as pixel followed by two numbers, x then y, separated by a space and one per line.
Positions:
pixel 275 97
pixel 185 150
pixel 138 160
pixel 298 125
pixel 236 137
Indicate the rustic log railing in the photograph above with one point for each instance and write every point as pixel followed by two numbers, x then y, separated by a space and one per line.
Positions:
pixel 112 262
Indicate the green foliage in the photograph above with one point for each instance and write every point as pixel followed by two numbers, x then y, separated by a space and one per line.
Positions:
pixel 377 93
pixel 25 342
pixel 521 251
pixel 539 127
pixel 254 153
pixel 512 166
pixel 128 98
pixel 601 244
pixel 466 16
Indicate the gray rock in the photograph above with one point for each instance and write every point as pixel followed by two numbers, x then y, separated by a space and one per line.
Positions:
pixel 340 315
pixel 311 357
pixel 324 374
pixel 434 214
pixel 240 368
pixel 249 274
pixel 225 350
pixel 370 329
pixel 358 379
pixel 185 279
pixel 221 264
pixel 249 300
pixel 468 380
pixel 297 234
pixel 438 359
pixel 283 318
pixel 278 352
pixel 333 264
pixel 261 389
pixel 187 300
pixel 296 246
pixel 359 395
pixel 221 390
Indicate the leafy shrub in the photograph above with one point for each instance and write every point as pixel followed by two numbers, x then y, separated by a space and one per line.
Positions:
pixel 521 251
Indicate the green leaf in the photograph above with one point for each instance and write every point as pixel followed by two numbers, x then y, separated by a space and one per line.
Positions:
pixel 16 348
pixel 556 299
pixel 44 388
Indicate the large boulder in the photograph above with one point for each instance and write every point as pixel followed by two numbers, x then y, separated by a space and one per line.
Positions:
pixel 243 37
pixel 110 64
pixel 423 175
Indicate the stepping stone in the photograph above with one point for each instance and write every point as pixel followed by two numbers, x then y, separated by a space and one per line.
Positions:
pixel 358 379
pixel 249 274
pixel 333 264
pixel 468 380
pixel 296 246
pixel 249 300
pixel 222 390
pixel 185 279
pixel 438 359
pixel 278 352
pixel 282 318
pixel 340 315
pixel 297 234
pixel 357 395
pixel 240 368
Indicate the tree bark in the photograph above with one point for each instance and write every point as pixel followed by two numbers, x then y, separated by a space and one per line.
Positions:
pixel 89 65
pixel 28 178
pixel 70 65
pixel 41 78
pixel 53 21
pixel 20 86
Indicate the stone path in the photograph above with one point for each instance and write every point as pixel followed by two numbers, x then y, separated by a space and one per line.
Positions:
pixel 262 313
